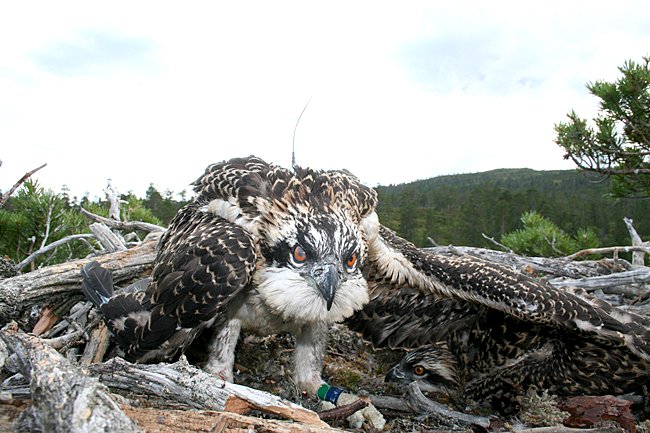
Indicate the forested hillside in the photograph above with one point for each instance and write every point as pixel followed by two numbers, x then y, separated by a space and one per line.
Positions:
pixel 449 209
pixel 457 209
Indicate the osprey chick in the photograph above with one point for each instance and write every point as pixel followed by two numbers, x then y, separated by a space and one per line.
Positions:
pixel 486 333
pixel 260 248
pixel 271 250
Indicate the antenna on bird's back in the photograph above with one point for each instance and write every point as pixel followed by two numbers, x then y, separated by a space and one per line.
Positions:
pixel 293 142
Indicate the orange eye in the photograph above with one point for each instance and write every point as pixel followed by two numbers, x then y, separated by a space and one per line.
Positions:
pixel 299 254
pixel 352 261
pixel 418 370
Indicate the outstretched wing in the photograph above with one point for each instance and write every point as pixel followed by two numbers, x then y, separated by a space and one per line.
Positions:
pixel 409 318
pixel 395 261
pixel 204 263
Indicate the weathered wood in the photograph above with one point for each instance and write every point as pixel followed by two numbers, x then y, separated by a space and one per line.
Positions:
pixel 4 197
pixel 609 250
pixel 33 256
pixel 97 346
pixel 109 240
pixel 123 225
pixel 182 382
pixel 24 291
pixel 638 257
pixel 636 276
pixel 415 401
pixel 64 398
pixel 563 429
pixel 549 267
pixel 183 421
pixel 342 412
pixel 114 200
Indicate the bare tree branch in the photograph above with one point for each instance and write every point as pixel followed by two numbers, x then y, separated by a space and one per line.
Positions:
pixel 495 242
pixel 638 257
pixel 82 403
pixel 607 250
pixel 4 197
pixel 109 240
pixel 182 382
pixel 33 256
pixel 415 401
pixel 124 225
pixel 23 291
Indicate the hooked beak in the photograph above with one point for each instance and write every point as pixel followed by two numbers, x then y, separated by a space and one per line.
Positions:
pixel 327 280
pixel 394 375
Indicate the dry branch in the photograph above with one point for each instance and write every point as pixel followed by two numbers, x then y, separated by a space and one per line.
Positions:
pixel 342 412
pixel 50 247
pixel 181 382
pixel 638 257
pixel 124 225
pixel 415 401
pixel 563 429
pixel 64 398
pixel 109 240
pixel 4 197
pixel 182 421
pixel 637 276
pixel 19 293
pixel 551 267
pixel 609 250
pixel 97 346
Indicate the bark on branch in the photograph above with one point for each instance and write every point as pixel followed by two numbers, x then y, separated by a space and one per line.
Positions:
pixel 64 398
pixel 123 225
pixel 551 267
pixel 181 382
pixel 4 197
pixel 416 402
pixel 20 266
pixel 637 276
pixel 24 291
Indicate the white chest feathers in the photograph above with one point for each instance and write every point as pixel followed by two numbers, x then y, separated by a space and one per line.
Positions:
pixel 283 301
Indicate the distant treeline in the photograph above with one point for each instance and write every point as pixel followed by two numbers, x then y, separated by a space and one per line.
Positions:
pixel 457 209
pixel 449 209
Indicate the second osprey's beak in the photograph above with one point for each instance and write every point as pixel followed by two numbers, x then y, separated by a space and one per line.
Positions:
pixel 327 280
pixel 394 375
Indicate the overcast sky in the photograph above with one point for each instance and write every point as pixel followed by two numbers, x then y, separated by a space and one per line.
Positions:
pixel 153 92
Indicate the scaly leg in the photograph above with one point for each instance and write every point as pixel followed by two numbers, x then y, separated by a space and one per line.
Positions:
pixel 308 356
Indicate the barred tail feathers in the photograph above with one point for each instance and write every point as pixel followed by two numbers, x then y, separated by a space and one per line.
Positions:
pixel 97 283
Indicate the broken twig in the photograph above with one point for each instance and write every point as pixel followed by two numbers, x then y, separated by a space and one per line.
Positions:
pixel 124 225
pixel 342 412
pixel 4 197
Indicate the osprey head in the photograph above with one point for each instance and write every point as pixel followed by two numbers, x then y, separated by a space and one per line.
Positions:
pixel 310 228
pixel 432 366
pixel 313 267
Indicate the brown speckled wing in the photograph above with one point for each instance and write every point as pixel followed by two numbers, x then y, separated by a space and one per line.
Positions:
pixel 203 264
pixel 409 318
pixel 495 286
pixel 254 184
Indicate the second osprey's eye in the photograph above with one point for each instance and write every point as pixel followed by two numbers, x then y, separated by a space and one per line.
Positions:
pixel 418 370
pixel 351 262
pixel 298 254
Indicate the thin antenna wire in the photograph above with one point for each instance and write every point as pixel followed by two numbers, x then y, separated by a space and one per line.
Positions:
pixel 293 142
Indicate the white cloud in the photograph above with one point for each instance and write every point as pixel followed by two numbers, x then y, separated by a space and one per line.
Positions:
pixel 154 92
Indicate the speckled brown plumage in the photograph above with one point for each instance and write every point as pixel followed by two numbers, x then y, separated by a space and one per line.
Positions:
pixel 484 332
pixel 261 248
pixel 273 250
